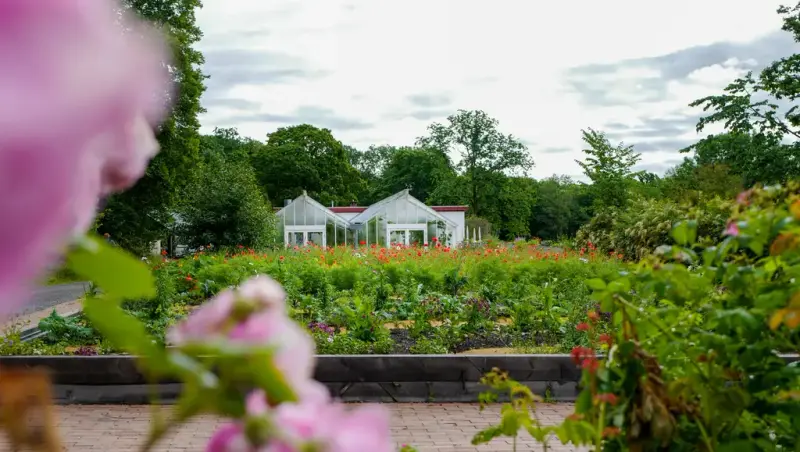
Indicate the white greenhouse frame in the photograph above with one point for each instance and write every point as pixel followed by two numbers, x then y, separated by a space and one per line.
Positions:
pixel 400 212
pixel 400 215
pixel 313 218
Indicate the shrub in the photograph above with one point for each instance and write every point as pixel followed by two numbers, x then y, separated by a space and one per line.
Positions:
pixel 638 229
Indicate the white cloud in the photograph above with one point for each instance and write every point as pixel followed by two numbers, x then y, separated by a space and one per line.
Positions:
pixel 507 58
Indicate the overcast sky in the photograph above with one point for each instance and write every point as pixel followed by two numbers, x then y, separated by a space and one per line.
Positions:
pixel 380 71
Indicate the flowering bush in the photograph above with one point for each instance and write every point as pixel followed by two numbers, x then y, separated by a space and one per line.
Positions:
pixel 692 359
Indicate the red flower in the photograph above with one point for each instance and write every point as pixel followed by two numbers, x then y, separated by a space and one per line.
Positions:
pixel 362 243
pixel 435 239
pixel 583 326
pixel 580 353
pixel 605 339
pixel 163 252
pixel 606 397
pixel 240 246
pixel 281 258
pixel 188 278
pixel 590 364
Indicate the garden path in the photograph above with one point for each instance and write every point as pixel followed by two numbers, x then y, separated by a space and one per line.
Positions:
pixel 429 427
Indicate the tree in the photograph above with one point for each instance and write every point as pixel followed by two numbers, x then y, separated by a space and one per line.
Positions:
pixel 419 169
pixel 305 157
pixel 754 157
pixel 224 206
pixel 693 182
pixel 610 168
pixel 229 145
pixel 562 206
pixel 484 152
pixel 516 203
pixel 142 214
pixel 761 114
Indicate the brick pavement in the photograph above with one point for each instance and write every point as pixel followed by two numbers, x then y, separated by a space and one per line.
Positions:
pixel 429 427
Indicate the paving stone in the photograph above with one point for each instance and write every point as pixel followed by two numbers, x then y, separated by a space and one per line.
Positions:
pixel 429 427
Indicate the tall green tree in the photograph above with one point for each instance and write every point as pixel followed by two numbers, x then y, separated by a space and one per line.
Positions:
pixel 516 203
pixel 761 114
pixel 229 145
pixel 143 214
pixel 420 170
pixel 224 206
pixel 305 157
pixel 609 167
pixel 757 158
pixel 483 151
pixel 693 182
pixel 562 206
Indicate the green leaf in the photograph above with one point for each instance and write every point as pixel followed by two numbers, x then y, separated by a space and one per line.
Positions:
pixel 124 331
pixel 596 284
pixel 584 402
pixel 685 232
pixel 119 274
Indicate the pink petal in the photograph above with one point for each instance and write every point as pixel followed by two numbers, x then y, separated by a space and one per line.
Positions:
pixel 74 88
pixel 228 438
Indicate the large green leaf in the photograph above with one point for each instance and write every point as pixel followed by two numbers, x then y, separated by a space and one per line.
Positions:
pixel 119 274
pixel 125 331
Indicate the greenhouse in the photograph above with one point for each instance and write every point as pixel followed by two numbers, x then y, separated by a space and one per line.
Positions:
pixel 399 219
pixel 305 221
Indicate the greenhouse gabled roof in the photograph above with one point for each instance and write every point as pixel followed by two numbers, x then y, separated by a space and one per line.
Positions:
pixel 307 200
pixel 402 196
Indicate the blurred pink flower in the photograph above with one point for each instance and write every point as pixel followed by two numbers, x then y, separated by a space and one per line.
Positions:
pixel 215 317
pixel 256 403
pixel 81 87
pixel 732 229
pixel 363 429
pixel 320 421
pixel 208 319
pixel 229 438
pixel 293 347
pixel 265 291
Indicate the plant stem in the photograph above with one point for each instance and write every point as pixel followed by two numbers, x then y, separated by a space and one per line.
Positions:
pixel 600 426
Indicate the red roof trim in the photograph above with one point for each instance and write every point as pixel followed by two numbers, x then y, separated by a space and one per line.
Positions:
pixel 359 209
pixel 347 209
pixel 450 208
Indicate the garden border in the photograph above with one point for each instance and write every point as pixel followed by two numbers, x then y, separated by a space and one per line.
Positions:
pixel 115 379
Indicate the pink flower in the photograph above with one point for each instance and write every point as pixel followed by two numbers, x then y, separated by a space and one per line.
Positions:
pixel 204 321
pixel 256 403
pixel 732 229
pixel 75 125
pixel 264 291
pixel 229 438
pixel 363 429
pixel 214 318
pixel 294 349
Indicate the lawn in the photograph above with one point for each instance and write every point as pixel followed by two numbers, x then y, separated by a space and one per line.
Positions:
pixel 501 298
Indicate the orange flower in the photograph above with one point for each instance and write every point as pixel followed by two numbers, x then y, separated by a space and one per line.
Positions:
pixel 611 432
pixel 593 316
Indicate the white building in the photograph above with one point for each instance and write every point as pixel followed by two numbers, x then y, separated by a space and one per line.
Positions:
pixel 400 218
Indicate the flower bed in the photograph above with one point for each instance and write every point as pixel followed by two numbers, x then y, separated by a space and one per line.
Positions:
pixel 509 298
